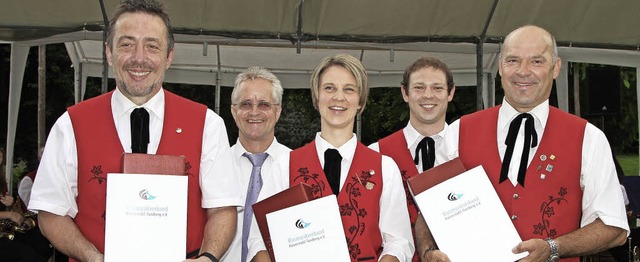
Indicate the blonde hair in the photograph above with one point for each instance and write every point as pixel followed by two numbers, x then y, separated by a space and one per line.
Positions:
pixel 353 65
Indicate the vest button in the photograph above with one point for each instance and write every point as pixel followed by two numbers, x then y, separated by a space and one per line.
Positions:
pixel 516 196
pixel 514 217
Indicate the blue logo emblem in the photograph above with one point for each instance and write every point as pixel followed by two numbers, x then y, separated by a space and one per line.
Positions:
pixel 453 196
pixel 144 194
pixel 301 224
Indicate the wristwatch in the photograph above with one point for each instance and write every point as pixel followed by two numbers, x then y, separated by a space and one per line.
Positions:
pixel 553 257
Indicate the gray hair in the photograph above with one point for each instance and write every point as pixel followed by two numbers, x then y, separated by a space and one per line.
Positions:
pixel 258 72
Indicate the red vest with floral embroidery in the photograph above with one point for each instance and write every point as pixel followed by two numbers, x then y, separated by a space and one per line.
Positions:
pixel 550 203
pixel 359 197
pixel 395 146
pixel 100 151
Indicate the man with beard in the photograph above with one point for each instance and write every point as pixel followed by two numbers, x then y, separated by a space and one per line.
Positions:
pixel 553 171
pixel 139 116
pixel 256 104
pixel 427 87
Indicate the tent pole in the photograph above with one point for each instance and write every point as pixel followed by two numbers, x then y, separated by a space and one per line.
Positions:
pixel 42 96
pixel 105 65
pixel 479 75
pixel 218 73
pixel 638 97
pixel 17 65
pixel 299 28
pixel 480 96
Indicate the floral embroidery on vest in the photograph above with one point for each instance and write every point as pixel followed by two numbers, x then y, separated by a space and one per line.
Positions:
pixel 97 171
pixel 187 167
pixel 410 201
pixel 317 186
pixel 546 209
pixel 351 208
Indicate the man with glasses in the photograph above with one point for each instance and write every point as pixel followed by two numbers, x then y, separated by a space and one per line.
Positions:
pixel 256 106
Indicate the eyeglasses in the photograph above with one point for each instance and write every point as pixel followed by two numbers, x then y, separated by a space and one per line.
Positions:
pixel 248 105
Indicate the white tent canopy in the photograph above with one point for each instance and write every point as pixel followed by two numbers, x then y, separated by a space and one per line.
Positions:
pixel 217 38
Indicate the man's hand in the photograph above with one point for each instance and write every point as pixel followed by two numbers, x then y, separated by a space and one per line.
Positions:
pixel 435 256
pixel 538 249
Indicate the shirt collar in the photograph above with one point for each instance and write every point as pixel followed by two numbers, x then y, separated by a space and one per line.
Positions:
pixel 507 113
pixel 347 151
pixel 122 106
pixel 240 150
pixel 413 137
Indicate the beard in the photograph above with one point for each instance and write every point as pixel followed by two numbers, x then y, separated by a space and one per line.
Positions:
pixel 136 90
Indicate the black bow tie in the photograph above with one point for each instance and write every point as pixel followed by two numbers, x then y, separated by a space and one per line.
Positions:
pixel 530 141
pixel 426 151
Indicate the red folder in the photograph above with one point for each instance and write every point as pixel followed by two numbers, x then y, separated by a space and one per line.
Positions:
pixel 133 163
pixel 435 175
pixel 292 196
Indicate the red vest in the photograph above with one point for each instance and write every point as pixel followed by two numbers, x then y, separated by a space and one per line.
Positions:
pixel 395 146
pixel 550 203
pixel 359 206
pixel 100 151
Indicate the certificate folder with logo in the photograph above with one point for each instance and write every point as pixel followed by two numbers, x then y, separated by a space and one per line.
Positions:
pixel 292 196
pixel 146 210
pixel 311 231
pixel 465 215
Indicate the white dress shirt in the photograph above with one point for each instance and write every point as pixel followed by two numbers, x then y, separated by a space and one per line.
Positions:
pixel 56 188
pixel 394 217
pixel 602 197
pixel 243 168
pixel 413 138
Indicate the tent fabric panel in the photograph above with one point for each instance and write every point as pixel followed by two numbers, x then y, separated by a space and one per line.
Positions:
pixel 410 18
pixel 583 22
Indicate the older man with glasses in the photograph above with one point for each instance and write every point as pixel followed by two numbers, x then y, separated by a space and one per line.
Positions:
pixel 256 106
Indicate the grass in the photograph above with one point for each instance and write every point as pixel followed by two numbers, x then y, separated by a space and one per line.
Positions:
pixel 629 164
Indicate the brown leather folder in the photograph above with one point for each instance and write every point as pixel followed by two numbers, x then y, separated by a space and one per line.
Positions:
pixel 134 163
pixel 435 175
pixel 292 196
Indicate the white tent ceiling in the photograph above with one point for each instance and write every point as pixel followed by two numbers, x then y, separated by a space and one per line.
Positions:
pixel 290 36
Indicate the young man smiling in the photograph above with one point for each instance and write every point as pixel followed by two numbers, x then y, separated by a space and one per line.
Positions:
pixel 427 87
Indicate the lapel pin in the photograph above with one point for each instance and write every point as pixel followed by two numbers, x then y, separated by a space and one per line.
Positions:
pixel 549 168
pixel 552 157
pixel 370 185
pixel 371 172
pixel 543 157
pixel 543 176
pixel 539 167
pixel 179 130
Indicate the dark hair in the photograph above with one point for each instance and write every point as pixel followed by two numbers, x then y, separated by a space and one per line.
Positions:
pixel 151 7
pixel 426 62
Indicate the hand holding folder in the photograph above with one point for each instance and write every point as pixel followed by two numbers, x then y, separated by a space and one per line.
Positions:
pixel 464 214
pixel 292 196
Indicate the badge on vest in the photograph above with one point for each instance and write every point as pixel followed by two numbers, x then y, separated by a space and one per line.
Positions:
pixel 548 168
pixel 369 185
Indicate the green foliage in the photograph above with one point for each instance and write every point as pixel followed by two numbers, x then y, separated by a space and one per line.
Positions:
pixel 20 168
pixel 629 164
pixel 385 113
pixel 299 121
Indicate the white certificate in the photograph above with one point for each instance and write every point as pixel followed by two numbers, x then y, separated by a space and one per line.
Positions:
pixel 467 219
pixel 146 218
pixel 311 231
